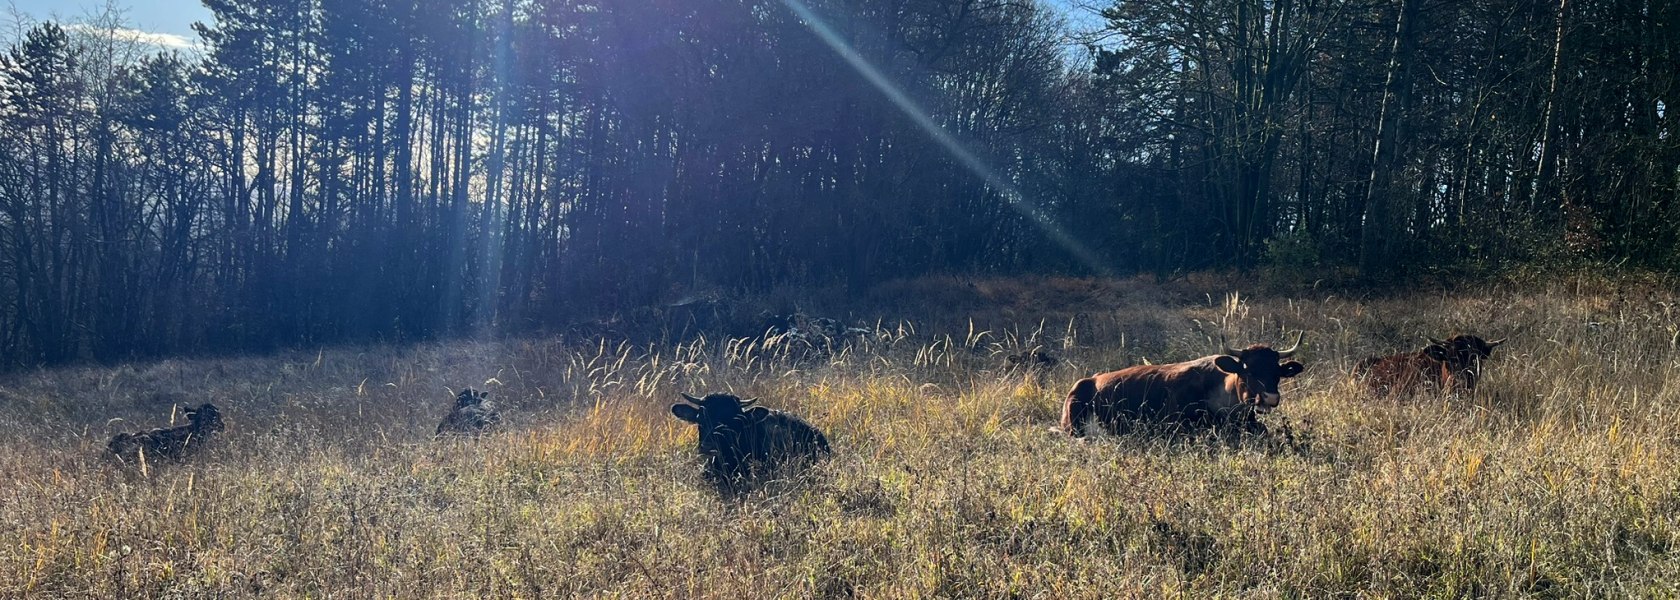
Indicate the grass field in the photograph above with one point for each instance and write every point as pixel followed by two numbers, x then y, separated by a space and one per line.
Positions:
pixel 1558 479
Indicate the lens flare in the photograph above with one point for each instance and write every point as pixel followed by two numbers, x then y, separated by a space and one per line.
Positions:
pixel 952 146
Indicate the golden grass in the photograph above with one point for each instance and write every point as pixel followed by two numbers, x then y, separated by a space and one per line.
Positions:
pixel 1557 480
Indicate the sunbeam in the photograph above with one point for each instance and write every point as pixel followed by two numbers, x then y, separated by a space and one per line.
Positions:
pixel 955 148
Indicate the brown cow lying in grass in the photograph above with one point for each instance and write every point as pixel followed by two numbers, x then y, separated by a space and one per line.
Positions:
pixel 1223 391
pixel 1443 365
pixel 472 414
pixel 742 442
pixel 175 443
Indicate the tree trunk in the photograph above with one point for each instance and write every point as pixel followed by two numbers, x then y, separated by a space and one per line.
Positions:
pixel 1546 168
pixel 1377 238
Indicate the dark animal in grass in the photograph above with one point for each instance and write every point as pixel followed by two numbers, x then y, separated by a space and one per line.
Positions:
pixel 173 443
pixel 1035 359
pixel 472 414
pixel 1443 365
pixel 799 336
pixel 742 442
pixel 1226 390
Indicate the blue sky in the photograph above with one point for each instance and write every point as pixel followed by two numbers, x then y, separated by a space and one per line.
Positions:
pixel 173 17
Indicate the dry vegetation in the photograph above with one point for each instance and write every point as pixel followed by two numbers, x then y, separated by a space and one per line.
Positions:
pixel 1557 480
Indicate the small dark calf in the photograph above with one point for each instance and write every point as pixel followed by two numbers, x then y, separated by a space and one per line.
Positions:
pixel 472 414
pixel 741 441
pixel 174 443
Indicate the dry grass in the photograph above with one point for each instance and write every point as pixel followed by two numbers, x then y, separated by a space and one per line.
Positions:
pixel 1557 480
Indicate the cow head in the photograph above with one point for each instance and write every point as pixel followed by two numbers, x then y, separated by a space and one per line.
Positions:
pixel 722 418
pixel 470 397
pixel 1260 370
pixel 206 418
pixel 1463 355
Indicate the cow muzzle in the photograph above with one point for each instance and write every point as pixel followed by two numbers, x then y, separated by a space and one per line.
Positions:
pixel 1267 402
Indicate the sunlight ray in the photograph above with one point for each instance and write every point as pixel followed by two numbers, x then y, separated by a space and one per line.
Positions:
pixel 922 118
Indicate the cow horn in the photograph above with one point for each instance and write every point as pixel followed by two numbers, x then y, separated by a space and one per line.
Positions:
pixel 1297 346
pixel 1437 342
pixel 1227 349
pixel 1496 343
pixel 690 399
pixel 749 402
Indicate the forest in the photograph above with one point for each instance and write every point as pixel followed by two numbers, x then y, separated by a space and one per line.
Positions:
pixel 362 170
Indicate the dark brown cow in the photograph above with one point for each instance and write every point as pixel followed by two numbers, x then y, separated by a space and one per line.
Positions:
pixel 1443 365
pixel 742 441
pixel 1222 390
pixel 472 414
pixel 175 443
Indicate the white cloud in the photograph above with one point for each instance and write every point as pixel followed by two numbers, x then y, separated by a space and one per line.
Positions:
pixel 150 38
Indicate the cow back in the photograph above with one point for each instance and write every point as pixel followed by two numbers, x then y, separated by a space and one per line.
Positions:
pixel 783 434
pixel 469 420
pixel 758 447
pixel 1405 372
pixel 1150 393
pixel 175 443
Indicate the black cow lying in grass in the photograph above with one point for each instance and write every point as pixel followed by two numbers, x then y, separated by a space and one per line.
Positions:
pixel 472 414
pixel 742 442
pixel 174 443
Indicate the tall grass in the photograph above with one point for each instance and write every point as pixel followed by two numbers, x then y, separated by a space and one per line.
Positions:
pixel 1557 479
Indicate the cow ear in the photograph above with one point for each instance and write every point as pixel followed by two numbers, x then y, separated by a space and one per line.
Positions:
pixel 1292 368
pixel 1437 352
pixel 686 412
pixel 1228 364
pixel 758 413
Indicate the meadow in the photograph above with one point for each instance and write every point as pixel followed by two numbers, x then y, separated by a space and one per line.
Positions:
pixel 1557 478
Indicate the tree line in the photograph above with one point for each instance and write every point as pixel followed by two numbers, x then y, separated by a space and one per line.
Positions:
pixel 374 169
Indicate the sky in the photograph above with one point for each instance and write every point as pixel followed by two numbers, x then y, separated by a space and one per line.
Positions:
pixel 162 22
pixel 169 22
